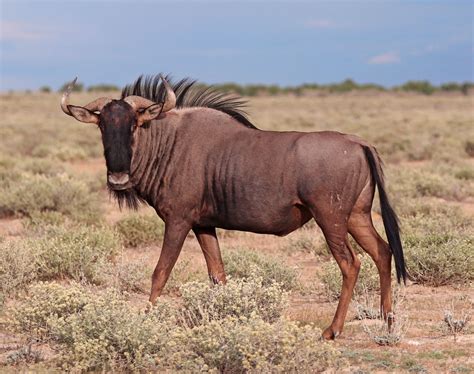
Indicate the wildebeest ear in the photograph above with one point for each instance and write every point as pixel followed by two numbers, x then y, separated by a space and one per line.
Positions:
pixel 83 114
pixel 150 113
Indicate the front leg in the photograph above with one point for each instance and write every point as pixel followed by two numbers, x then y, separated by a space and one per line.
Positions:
pixel 207 239
pixel 175 234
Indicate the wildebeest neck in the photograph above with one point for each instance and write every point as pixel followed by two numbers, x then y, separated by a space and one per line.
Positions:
pixel 151 153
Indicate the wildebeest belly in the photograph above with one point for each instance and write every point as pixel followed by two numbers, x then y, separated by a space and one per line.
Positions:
pixel 263 220
pixel 251 190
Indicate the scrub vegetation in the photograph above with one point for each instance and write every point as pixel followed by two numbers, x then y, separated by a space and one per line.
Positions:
pixel 75 270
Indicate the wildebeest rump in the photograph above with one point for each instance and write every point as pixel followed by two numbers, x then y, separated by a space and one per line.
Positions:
pixel 193 155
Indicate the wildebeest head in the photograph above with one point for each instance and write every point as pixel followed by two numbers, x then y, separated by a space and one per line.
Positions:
pixel 117 120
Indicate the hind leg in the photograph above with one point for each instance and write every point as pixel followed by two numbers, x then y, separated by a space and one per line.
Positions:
pixel 363 231
pixel 346 258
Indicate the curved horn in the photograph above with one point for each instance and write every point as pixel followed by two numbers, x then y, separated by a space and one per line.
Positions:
pixel 98 104
pixel 138 102
pixel 94 106
pixel 65 97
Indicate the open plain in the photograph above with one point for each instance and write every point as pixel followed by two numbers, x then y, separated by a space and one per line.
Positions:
pixel 75 270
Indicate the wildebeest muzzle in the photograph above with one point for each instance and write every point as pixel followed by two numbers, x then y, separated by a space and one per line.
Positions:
pixel 118 181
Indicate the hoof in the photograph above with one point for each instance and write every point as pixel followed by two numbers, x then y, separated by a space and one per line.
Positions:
pixel 390 318
pixel 330 334
pixel 148 308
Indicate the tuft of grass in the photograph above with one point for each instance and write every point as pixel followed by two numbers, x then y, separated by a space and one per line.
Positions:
pixel 41 166
pixel 427 182
pixel 44 301
pixel 137 229
pixel 100 331
pixel 95 330
pixel 378 330
pixel 39 220
pixel 456 320
pixel 240 297
pixel 438 247
pixel 76 252
pixel 465 173
pixel 366 312
pixel 244 263
pixel 27 194
pixel 453 325
pixel 413 366
pixel 182 273
pixel 307 242
pixel 469 148
pixel 303 244
pixel 249 344
pixel 127 275
pixel 25 355
pixel 17 268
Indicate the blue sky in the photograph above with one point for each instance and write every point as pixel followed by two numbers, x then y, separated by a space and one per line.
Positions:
pixel 282 42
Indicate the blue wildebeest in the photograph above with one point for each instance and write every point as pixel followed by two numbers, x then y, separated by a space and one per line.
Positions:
pixel 192 154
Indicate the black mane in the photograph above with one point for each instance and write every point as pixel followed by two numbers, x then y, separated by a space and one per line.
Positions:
pixel 189 94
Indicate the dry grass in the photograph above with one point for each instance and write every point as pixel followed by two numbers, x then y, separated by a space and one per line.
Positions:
pixel 427 145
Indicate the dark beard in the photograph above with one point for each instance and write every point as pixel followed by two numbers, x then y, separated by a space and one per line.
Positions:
pixel 128 198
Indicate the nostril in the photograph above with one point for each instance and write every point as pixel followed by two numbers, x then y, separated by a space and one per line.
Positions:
pixel 118 178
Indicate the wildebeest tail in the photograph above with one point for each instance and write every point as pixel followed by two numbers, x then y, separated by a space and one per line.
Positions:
pixel 389 217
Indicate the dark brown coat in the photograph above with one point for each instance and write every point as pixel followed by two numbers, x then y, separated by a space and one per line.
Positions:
pixel 204 168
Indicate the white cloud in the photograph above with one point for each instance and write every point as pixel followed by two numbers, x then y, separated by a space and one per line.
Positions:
pixel 385 58
pixel 17 31
pixel 319 24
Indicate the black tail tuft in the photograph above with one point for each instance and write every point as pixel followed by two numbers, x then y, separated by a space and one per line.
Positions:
pixel 390 220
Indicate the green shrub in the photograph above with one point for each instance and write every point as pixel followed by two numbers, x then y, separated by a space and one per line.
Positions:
pixel 45 89
pixel 44 301
pixel 43 166
pixel 304 244
pixel 103 88
pixel 451 86
pixel 415 183
pixel 438 247
pixel 466 173
pixel 181 274
pixel 108 334
pixel 63 153
pixel 24 355
pixel 78 87
pixel 127 275
pixel 437 241
pixel 419 207
pixel 137 229
pixel 368 279
pixel 344 86
pixel 77 252
pixel 94 330
pixel 249 344
pixel 17 267
pixel 469 148
pixel 32 193
pixel 308 242
pixel 244 263
pixel 424 87
pixel 101 331
pixel 38 220
pixel 240 297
